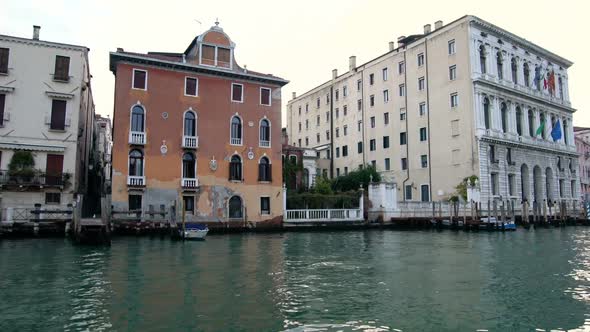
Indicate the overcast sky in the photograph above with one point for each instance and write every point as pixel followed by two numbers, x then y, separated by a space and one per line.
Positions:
pixel 301 41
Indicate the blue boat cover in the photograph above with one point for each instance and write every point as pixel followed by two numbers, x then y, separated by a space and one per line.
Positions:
pixel 195 226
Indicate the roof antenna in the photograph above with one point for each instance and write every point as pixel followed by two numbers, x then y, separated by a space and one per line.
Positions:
pixel 217 21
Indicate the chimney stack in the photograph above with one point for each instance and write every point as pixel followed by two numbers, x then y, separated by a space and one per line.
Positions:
pixel 334 73
pixel 438 24
pixel 427 29
pixel 399 41
pixel 36 29
pixel 391 46
pixel 352 63
pixel 294 95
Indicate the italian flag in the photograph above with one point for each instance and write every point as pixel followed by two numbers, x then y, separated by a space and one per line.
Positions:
pixel 541 128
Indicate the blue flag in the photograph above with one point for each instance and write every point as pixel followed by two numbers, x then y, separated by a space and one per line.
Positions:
pixel 556 131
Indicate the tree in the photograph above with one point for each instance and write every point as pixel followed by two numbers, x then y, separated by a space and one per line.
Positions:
pixel 356 178
pixel 290 170
pixel 22 163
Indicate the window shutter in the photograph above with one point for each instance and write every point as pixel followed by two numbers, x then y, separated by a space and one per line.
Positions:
pixel 261 172
pixel 58 114
pixel 2 113
pixel 62 68
pixel 191 86
pixel 4 52
pixel 269 172
pixel 139 79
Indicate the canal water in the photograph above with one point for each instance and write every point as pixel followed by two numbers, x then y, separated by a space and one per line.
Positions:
pixel 303 281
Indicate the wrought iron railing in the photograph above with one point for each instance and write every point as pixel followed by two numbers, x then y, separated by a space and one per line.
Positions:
pixel 8 178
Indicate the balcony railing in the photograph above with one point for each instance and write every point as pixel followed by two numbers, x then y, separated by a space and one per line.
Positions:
pixel 236 141
pixel 264 144
pixel 189 183
pixel 135 181
pixel 137 137
pixel 190 142
pixel 33 179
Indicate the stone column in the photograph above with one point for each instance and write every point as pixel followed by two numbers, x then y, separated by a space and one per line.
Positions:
pixel 496 115
pixel 478 111
pixel 491 61
pixel 519 70
pixel 512 118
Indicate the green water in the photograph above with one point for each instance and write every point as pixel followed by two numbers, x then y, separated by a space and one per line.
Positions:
pixel 321 281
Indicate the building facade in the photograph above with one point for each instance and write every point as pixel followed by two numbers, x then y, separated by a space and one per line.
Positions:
pixel 46 119
pixel 306 162
pixel 466 98
pixel 582 136
pixel 197 129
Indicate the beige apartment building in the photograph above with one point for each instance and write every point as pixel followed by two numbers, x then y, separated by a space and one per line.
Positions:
pixel 466 98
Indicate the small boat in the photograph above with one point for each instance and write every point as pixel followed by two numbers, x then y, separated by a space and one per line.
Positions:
pixel 486 222
pixel 195 231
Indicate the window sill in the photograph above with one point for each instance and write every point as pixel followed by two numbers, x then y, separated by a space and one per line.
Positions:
pixel 139 89
pixel 57 130
pixel 190 95
pixel 264 182
pixel 61 80
pixel 265 213
pixel 3 74
pixel 237 101
pixel 236 181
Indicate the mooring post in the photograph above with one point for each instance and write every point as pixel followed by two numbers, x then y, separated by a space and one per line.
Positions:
pixel 502 212
pixel 544 210
pixel 495 207
pixel 362 204
pixel 37 218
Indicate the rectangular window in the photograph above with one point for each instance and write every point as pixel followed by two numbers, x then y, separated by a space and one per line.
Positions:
pixel 453 72
pixel 344 91
pixel 422 109
pixel 337 132
pixel 384 71
pixel 425 193
pixel 337 113
pixel 371 79
pixel 372 145
pixel 190 86
pixel 317 120
pixel 58 114
pixel 359 147
pixel 139 79
pixel 492 154
pixel 402 138
pixel 509 156
pixel 189 204
pixel 2 104
pixel 401 67
pixel 386 118
pixel 511 184
pixel 451 46
pixel 372 122
pixel 134 202
pixel 336 94
pixel 359 125
pixel 385 96
pixel 359 104
pixel 345 130
pixel 306 124
pixel 306 108
pixel 454 100
pixel 424 161
pixel 404 164
pixel 402 114
pixel 327 99
pixel 374 164
pixel 345 110
pixel 299 126
pixel 402 90
pixel 359 85
pixel 307 141
pixel 408 192
pixel 265 97
pixel 420 59
pixel 52 198
pixel 494 183
pixel 387 164
pixel 421 83
pixel 62 68
pixel 345 151
pixel 223 57
pixel 372 100
pixel 208 54
pixel 455 157
pixel 299 142
pixel 264 205
pixel 386 142
pixel 317 103
pixel 317 138
pixel 299 110
pixel 328 116
pixel 455 127
pixel 327 134
pixel 423 137
pixel 237 92
pixel 337 171
pixel 4 54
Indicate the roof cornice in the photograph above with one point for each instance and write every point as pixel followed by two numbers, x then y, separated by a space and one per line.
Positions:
pixel 130 58
pixel 35 42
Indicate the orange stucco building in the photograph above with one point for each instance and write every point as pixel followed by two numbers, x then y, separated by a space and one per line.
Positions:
pixel 197 129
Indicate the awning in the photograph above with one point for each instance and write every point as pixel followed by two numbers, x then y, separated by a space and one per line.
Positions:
pixel 32 147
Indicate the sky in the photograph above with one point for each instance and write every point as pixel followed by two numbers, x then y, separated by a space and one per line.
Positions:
pixel 301 41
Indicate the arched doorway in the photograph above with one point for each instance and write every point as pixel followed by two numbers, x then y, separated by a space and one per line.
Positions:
pixel 549 184
pixel 235 207
pixel 538 184
pixel 524 182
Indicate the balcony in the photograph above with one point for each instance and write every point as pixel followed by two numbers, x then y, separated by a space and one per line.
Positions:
pixel 135 181
pixel 190 142
pixel 33 179
pixel 188 183
pixel 235 141
pixel 137 137
pixel 264 144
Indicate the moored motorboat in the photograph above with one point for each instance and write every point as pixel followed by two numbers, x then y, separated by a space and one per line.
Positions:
pixel 492 222
pixel 195 231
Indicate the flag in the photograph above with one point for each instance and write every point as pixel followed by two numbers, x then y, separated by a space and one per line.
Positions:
pixel 551 83
pixel 556 131
pixel 541 128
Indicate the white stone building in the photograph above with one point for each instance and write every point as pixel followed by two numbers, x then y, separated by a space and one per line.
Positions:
pixel 47 111
pixel 582 136
pixel 434 109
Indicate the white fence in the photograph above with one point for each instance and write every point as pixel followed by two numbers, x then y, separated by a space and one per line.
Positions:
pixel 324 215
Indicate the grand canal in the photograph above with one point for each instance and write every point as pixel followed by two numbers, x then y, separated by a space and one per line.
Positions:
pixel 316 281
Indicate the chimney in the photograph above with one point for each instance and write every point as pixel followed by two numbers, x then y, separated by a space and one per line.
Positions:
pixel 36 29
pixel 334 73
pixel 427 29
pixel 294 95
pixel 352 62
pixel 391 46
pixel 120 49
pixel 438 24
pixel 399 41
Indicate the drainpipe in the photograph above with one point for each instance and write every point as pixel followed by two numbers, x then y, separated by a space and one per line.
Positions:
pixel 407 145
pixel 428 119
pixel 363 115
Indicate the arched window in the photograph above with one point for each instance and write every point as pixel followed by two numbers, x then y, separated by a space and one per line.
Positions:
pixel 190 124
pixel 565 132
pixel 482 59
pixel 499 64
pixel 531 117
pixel 188 166
pixel 542 125
pixel 504 114
pixel 560 87
pixel 514 69
pixel 235 168
pixel 135 163
pixel 137 118
pixel 236 130
pixel 526 72
pixel 235 207
pixel 264 170
pixel 486 112
pixel 518 121
pixel 538 78
pixel 264 133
